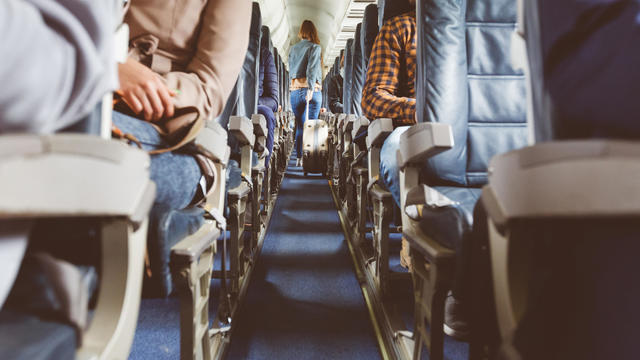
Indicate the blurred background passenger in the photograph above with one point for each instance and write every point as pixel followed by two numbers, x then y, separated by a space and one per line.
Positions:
pixel 305 67
pixel 268 93
pixel 184 59
pixel 57 62
pixel 335 90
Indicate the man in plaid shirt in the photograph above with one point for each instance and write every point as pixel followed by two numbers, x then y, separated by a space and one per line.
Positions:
pixel 389 92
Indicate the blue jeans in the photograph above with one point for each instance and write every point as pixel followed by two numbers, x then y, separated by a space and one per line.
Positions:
pixel 271 124
pixel 299 106
pixel 176 175
pixel 389 171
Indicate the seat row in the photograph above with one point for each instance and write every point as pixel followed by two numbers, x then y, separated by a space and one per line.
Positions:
pixel 113 216
pixel 477 176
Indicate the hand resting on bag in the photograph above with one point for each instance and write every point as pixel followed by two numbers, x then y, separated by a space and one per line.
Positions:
pixel 144 91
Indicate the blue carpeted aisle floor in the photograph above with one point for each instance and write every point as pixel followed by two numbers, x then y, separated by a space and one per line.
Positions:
pixel 304 301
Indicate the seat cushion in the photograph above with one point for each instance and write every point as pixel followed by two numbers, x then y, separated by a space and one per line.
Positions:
pixel 27 337
pixel 166 228
pixel 447 225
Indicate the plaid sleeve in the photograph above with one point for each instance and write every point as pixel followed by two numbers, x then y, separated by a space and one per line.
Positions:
pixel 379 98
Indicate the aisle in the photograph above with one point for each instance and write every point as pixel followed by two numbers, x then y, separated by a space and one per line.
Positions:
pixel 304 301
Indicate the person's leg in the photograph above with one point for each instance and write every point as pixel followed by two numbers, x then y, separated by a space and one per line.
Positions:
pixel 271 124
pixel 389 171
pixel 390 176
pixel 176 175
pixel 298 105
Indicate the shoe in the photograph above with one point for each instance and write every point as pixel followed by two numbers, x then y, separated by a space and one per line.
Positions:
pixel 298 162
pixel 455 324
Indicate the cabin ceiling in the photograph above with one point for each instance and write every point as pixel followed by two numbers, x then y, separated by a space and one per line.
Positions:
pixel 336 21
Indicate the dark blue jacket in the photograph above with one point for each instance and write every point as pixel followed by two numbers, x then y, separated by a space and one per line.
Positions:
pixel 268 90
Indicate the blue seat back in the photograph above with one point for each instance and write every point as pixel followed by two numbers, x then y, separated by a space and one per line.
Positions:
pixel 249 76
pixel 570 42
pixel 465 79
pixel 369 32
pixel 359 72
pixel 348 76
pixel 390 8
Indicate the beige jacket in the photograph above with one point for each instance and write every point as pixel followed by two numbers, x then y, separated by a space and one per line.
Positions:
pixel 198 46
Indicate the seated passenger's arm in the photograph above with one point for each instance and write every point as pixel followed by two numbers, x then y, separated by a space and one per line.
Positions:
pixel 379 99
pixel 335 98
pixel 57 62
pixel 269 96
pixel 222 46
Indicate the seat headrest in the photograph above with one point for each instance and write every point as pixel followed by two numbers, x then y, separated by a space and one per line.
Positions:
pixel 369 30
pixel 266 39
pixel 250 74
pixel 348 75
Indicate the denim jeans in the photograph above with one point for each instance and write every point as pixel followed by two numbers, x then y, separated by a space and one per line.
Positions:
pixel 271 124
pixel 389 171
pixel 299 106
pixel 176 175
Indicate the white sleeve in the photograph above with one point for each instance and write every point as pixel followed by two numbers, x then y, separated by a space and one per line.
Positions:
pixel 57 61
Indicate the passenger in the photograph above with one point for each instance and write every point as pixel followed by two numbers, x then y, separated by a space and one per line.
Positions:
pixel 184 58
pixel 52 80
pixel 335 90
pixel 268 93
pixel 389 92
pixel 305 66
pixel 43 96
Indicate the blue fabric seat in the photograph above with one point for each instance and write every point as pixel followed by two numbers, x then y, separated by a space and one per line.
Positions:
pixel 465 79
pixel 26 337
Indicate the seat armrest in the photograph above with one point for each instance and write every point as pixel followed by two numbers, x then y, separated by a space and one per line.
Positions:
pixel 259 125
pixel 212 141
pixel 347 126
pixel 341 119
pixel 422 141
pixel 242 128
pixel 564 179
pixel 360 124
pixel 379 130
pixel 85 175
pixel 191 248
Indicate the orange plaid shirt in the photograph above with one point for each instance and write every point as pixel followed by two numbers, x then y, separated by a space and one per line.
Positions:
pixel 389 91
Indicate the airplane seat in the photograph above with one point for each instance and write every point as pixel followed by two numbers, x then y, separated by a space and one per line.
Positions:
pixel 241 179
pixel 348 77
pixel 563 213
pixel 370 31
pixel 471 106
pixel 56 322
pixel 379 198
pixel 359 170
pixel 270 168
pixel 359 73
